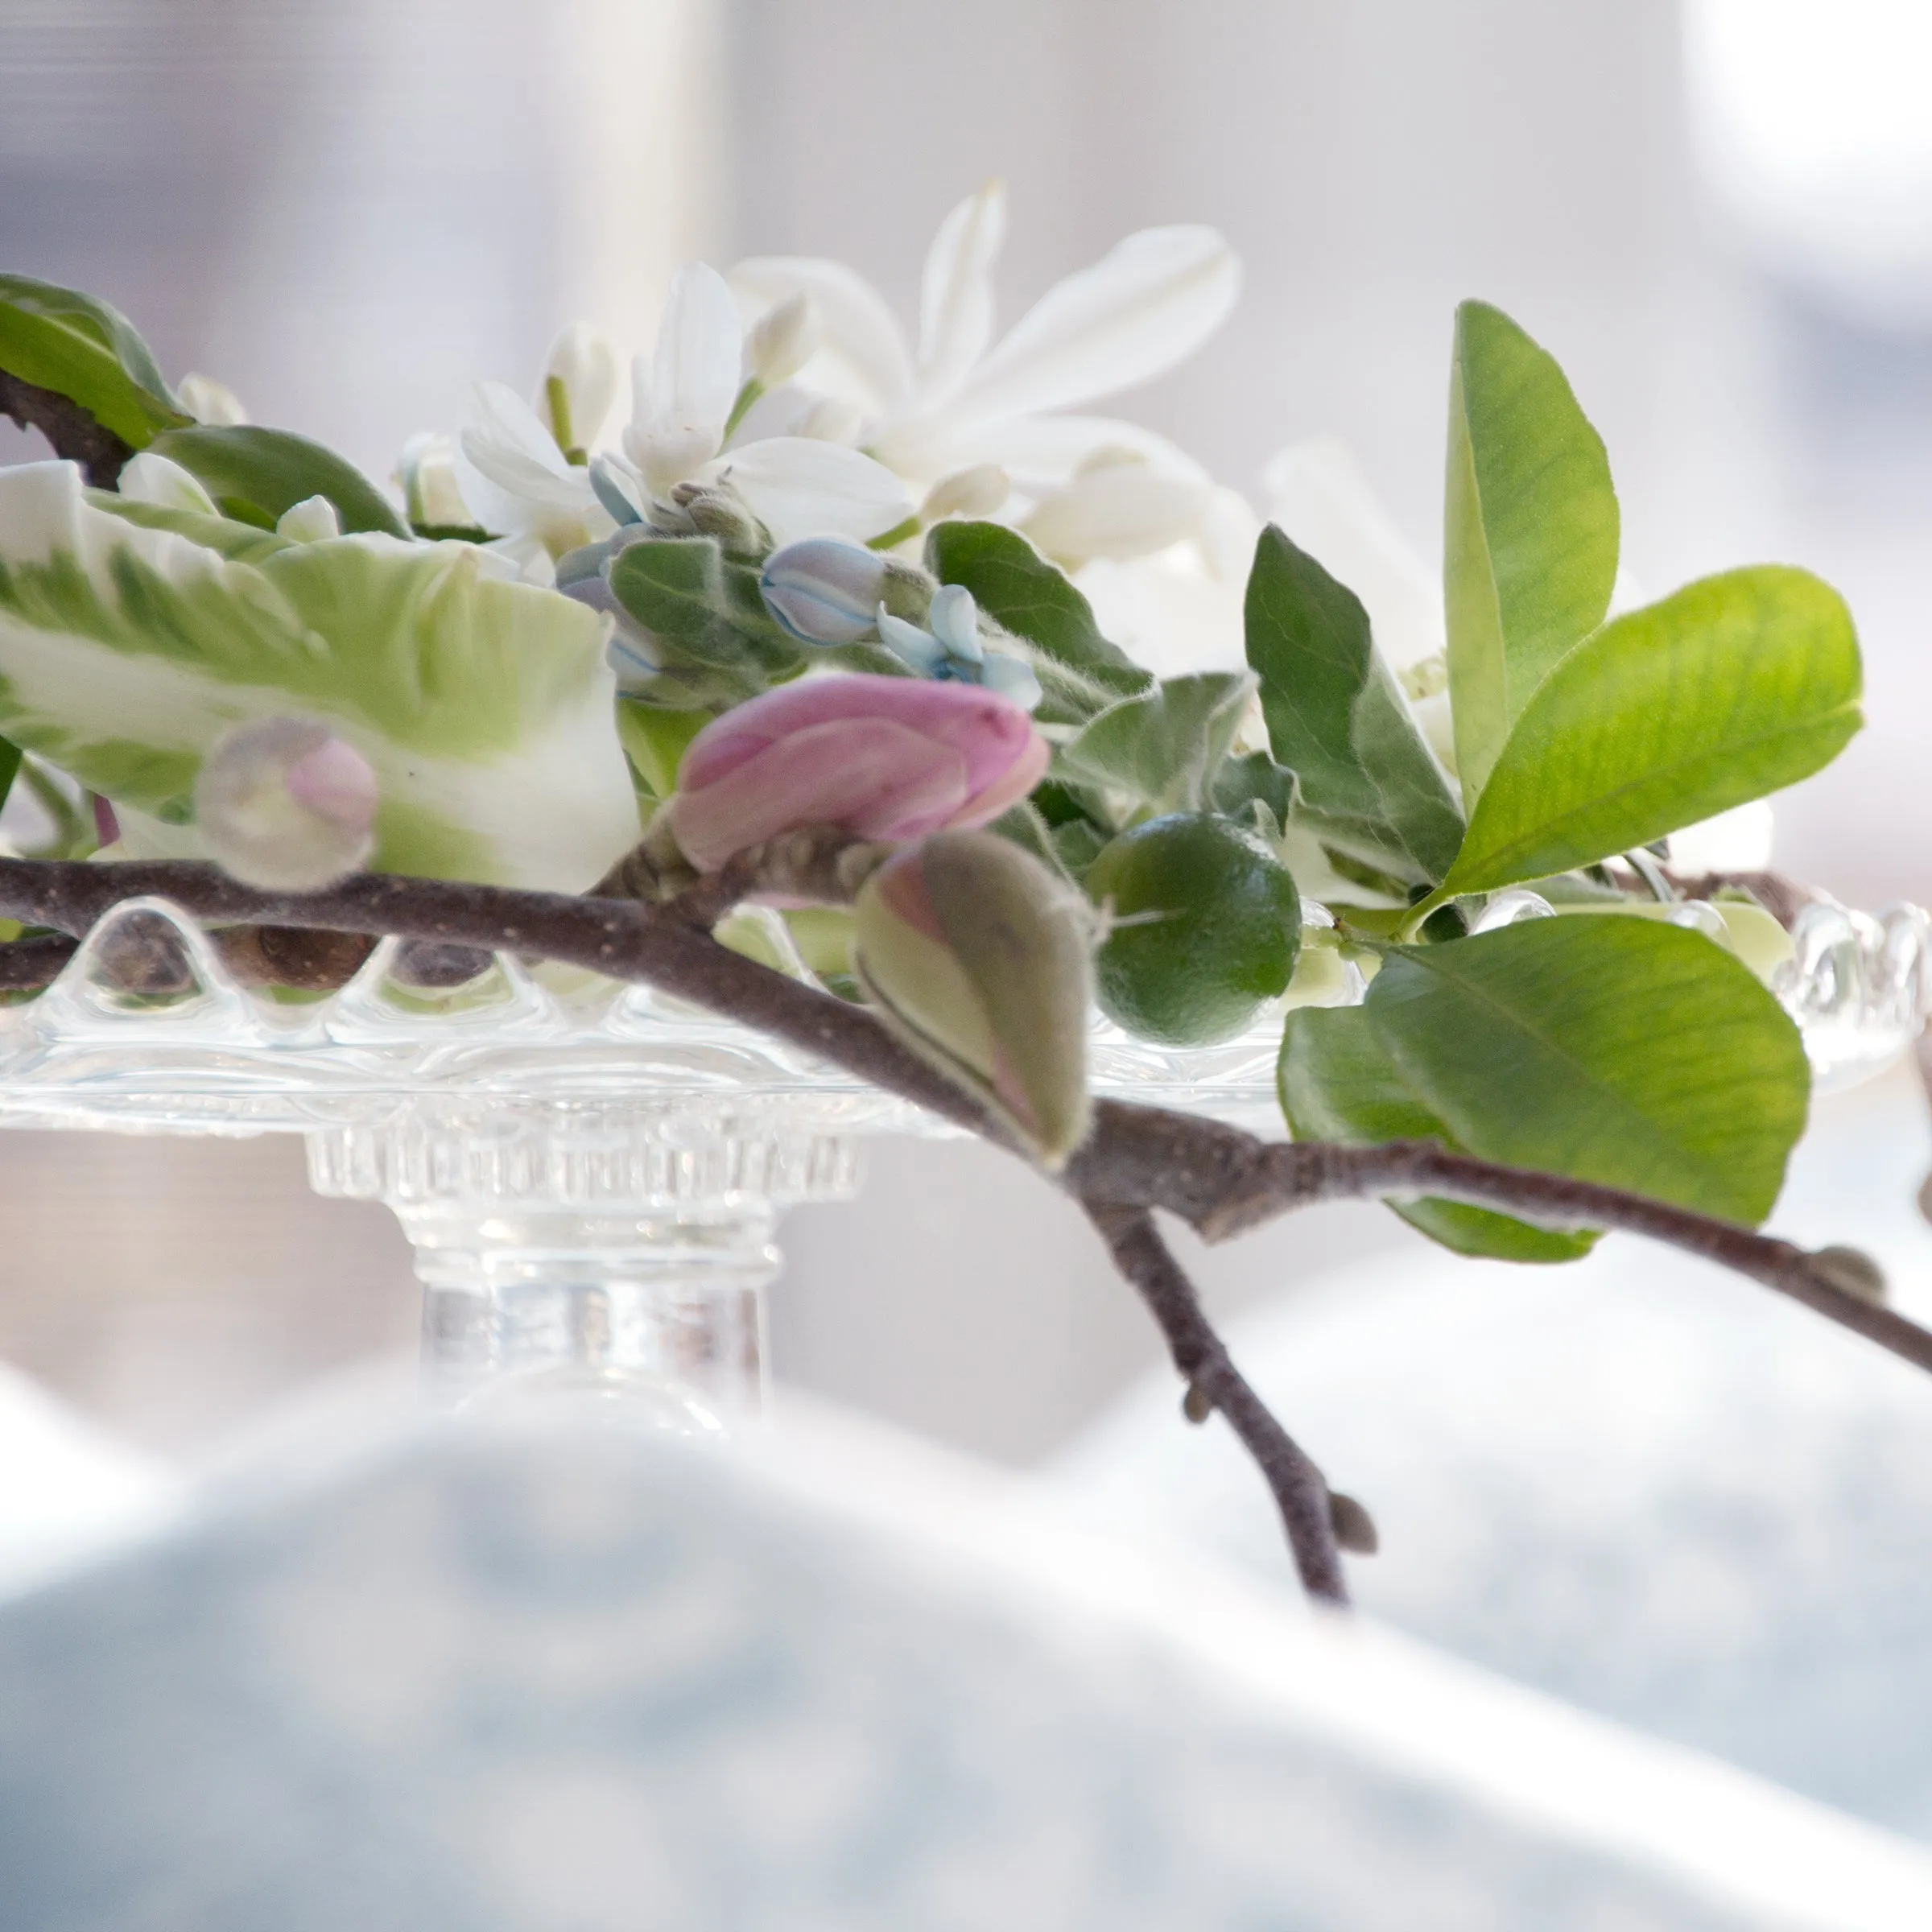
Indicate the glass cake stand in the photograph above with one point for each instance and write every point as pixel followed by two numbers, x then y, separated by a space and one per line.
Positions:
pixel 590 1175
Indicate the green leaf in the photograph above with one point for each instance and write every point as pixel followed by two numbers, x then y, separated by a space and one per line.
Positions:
pixel 685 591
pixel 1080 672
pixel 82 348
pixel 1736 686
pixel 485 706
pixel 255 474
pixel 655 741
pixel 1164 748
pixel 1336 718
pixel 1338 1083
pixel 1637 1054
pixel 1530 531
pixel 1258 792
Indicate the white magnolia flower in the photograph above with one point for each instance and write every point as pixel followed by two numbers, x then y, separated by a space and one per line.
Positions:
pixel 516 480
pixel 1180 609
pixel 682 432
pixel 963 400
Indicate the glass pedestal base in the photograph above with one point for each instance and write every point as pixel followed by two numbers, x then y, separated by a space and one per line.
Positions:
pixel 592 1174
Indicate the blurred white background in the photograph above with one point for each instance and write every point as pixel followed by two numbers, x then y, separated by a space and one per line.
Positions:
pixel 1718 215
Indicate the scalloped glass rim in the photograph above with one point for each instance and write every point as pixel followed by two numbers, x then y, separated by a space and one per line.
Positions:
pixel 215 1058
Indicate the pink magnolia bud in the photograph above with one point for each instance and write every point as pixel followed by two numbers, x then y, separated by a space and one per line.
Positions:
pixel 885 757
pixel 286 805
pixel 977 957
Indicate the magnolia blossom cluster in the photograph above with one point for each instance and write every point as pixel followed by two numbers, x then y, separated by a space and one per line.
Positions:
pixel 783 403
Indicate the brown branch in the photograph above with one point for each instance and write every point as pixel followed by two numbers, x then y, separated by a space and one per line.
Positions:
pixel 1221 1180
pixel 1202 1357
pixel 73 433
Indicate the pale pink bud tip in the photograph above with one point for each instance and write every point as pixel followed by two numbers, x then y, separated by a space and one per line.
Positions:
pixel 285 805
pixel 887 758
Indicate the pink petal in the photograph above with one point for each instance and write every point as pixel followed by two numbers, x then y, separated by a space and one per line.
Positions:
pixel 869 774
pixel 989 731
pixel 1008 789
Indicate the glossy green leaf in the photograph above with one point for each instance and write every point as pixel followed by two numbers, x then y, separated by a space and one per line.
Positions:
pixel 1639 1055
pixel 1080 672
pixel 1736 686
pixel 1338 1083
pixel 1335 717
pixel 255 474
pixel 1162 749
pixel 1530 531
pixel 84 349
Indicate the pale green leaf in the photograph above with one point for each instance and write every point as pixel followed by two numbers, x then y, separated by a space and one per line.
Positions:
pixel 1732 688
pixel 1335 717
pixel 1164 748
pixel 1530 531
pixel 1338 1083
pixel 1639 1055
pixel 484 704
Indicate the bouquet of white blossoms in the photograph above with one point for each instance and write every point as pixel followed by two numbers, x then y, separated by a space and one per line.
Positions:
pixel 993 711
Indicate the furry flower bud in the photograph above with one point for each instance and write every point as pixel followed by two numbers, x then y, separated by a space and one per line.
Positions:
pixel 824 590
pixel 286 805
pixel 886 758
pixel 977 957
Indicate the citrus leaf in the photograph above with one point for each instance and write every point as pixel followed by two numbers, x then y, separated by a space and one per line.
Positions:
pixel 1335 717
pixel 255 474
pixel 1732 688
pixel 1530 531
pixel 82 348
pixel 1338 1083
pixel 1639 1055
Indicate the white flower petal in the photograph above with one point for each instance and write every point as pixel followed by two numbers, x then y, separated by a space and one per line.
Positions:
pixel 1317 492
pixel 1115 509
pixel 1039 453
pixel 1147 304
pixel 863 358
pixel 507 442
pixel 955 293
pixel 798 487
pixel 1166 612
pixel 699 362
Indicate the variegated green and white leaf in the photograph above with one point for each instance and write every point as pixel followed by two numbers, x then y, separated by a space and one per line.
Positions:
pixel 131 638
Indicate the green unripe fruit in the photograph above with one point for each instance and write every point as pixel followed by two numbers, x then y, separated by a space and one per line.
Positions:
pixel 1207 925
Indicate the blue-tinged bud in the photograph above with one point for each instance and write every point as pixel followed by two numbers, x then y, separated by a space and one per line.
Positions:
pixel 824 590
pixel 1012 678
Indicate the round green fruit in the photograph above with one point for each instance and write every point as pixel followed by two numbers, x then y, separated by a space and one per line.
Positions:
pixel 1208 924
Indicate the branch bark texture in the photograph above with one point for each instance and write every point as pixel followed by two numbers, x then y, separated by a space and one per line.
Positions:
pixel 1219 1179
